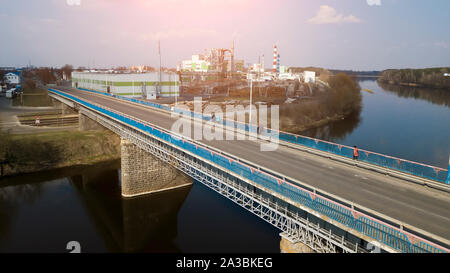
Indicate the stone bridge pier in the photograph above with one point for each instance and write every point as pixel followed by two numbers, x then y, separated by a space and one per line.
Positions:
pixel 143 173
pixel 85 123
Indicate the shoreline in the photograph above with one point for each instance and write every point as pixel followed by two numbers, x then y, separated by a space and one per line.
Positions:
pixel 298 129
pixel 412 84
pixel 48 151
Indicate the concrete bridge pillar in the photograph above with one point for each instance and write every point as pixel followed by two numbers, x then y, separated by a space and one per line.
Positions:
pixel 86 124
pixel 143 173
pixel 286 246
pixel 65 109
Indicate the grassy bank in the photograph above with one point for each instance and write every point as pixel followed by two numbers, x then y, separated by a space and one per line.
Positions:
pixel 45 151
pixel 336 100
pixel 341 99
pixel 32 96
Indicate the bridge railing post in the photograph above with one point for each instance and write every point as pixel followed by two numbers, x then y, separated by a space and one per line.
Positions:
pixel 448 172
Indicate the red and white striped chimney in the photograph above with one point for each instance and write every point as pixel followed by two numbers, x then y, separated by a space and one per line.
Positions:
pixel 275 57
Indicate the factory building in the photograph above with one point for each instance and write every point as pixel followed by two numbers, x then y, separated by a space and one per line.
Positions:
pixel 216 60
pixel 309 76
pixel 196 64
pixel 136 85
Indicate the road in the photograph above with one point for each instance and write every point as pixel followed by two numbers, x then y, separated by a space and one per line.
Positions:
pixel 417 206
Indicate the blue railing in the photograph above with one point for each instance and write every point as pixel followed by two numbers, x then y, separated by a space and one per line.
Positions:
pixel 389 235
pixel 405 166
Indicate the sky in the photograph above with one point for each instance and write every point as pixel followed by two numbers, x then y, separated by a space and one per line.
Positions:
pixel 335 34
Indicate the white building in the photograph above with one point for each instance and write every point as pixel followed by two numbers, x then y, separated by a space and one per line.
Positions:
pixel 136 85
pixel 257 68
pixel 12 78
pixel 309 76
pixel 288 76
pixel 196 64
pixel 283 69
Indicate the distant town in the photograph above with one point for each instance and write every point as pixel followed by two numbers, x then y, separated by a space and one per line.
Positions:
pixel 205 73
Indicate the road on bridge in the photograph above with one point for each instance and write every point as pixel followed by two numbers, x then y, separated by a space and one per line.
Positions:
pixel 412 204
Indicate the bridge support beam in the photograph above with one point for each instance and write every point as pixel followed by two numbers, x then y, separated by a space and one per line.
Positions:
pixel 143 173
pixel 87 124
pixel 65 109
pixel 286 246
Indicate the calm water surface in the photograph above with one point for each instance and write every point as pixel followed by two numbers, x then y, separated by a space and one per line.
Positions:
pixel 410 123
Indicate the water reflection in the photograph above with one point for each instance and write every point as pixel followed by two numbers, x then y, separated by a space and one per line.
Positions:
pixel 405 122
pixel 435 96
pixel 337 130
pixel 142 224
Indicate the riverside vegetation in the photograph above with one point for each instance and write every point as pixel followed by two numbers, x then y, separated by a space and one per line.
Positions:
pixel 427 77
pixel 340 99
pixel 24 153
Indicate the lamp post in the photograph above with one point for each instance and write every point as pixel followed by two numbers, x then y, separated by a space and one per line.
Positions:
pixel 250 115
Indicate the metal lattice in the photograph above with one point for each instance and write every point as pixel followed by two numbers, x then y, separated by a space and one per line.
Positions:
pixel 294 227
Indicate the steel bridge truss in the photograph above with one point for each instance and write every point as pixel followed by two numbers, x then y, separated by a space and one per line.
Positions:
pixel 249 196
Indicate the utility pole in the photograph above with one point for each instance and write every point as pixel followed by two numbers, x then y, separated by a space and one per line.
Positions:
pixel 160 73
pixel 250 115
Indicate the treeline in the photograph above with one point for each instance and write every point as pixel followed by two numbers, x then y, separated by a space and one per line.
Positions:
pixel 46 75
pixel 353 73
pixel 428 77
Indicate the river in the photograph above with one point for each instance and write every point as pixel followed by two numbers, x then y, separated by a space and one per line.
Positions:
pixel 44 211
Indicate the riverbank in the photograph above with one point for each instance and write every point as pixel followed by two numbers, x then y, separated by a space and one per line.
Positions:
pixel 342 99
pixel 428 77
pixel 314 105
pixel 26 153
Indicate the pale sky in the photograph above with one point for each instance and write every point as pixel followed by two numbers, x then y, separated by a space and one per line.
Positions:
pixel 335 34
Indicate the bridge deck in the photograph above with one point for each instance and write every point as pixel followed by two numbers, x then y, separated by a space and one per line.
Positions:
pixel 409 203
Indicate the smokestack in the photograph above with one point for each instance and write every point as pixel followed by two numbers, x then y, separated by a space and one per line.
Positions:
pixel 275 59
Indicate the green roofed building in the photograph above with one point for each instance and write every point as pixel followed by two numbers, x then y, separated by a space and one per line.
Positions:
pixel 136 85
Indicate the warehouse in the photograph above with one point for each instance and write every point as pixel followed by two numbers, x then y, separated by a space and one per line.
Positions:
pixel 136 85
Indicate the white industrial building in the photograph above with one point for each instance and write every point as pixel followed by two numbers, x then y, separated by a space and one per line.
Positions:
pixel 136 85
pixel 196 64
pixel 309 76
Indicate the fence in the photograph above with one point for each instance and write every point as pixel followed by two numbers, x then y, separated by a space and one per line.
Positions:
pixel 402 165
pixel 391 236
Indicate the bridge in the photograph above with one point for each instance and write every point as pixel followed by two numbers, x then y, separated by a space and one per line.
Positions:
pixel 319 198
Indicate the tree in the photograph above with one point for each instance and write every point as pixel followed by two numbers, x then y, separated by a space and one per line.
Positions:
pixel 30 83
pixel 67 71
pixel 46 75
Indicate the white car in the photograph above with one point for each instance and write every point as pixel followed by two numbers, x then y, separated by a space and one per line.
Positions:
pixel 10 93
